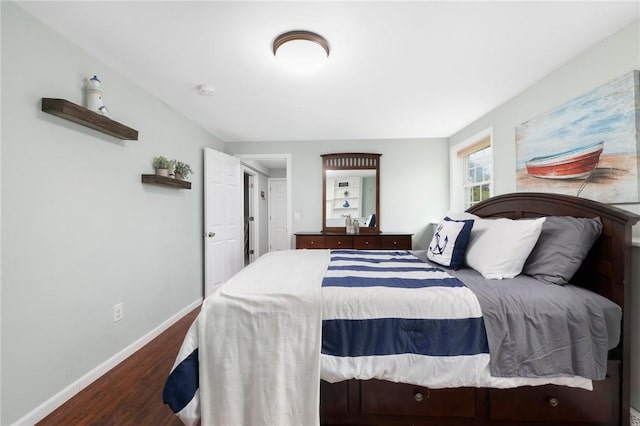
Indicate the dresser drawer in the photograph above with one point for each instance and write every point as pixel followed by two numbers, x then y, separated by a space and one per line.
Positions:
pixel 382 397
pixel 334 397
pixel 366 242
pixel 339 241
pixel 401 242
pixel 310 241
pixel 559 403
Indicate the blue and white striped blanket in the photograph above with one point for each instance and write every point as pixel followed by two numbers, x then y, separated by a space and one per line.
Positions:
pixel 389 315
pixel 385 314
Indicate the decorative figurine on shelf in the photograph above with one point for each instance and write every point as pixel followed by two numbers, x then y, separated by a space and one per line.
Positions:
pixel 94 96
pixel 345 204
pixel 356 226
pixel 104 111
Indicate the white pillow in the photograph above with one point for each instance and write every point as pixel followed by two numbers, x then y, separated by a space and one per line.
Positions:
pixel 498 248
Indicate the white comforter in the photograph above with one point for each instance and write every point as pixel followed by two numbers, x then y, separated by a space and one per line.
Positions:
pixel 260 335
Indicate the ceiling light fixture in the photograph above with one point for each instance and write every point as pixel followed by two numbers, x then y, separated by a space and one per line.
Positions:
pixel 301 51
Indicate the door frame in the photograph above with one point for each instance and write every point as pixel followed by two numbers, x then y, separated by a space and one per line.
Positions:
pixel 287 158
pixel 254 227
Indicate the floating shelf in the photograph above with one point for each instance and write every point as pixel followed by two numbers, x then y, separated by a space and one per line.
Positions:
pixel 72 112
pixel 166 181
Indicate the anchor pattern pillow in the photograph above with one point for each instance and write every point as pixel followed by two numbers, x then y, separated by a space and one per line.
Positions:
pixel 449 242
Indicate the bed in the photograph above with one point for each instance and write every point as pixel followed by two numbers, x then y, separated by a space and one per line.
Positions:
pixel 280 382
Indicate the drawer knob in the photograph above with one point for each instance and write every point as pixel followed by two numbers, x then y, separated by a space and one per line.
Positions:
pixel 313 242
pixel 366 243
pixel 395 242
pixel 554 402
pixel 417 395
pixel 339 242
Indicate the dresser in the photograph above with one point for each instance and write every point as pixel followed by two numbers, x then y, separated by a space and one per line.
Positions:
pixel 330 240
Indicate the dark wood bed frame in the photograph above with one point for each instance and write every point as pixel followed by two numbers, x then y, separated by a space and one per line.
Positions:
pixel 606 271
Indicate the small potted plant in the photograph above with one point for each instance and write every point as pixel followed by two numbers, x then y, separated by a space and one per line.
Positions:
pixel 162 165
pixel 182 170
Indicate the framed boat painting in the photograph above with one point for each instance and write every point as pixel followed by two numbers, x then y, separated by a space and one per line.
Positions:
pixel 587 147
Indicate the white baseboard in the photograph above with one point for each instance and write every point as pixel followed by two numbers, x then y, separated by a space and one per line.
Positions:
pixel 47 407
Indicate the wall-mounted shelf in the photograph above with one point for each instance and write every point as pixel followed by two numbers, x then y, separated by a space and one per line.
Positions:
pixel 72 112
pixel 166 181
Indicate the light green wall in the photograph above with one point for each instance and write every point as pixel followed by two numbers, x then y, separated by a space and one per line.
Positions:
pixel 80 233
pixel 414 180
pixel 609 59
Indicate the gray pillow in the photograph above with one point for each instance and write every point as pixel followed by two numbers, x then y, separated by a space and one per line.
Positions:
pixel 563 244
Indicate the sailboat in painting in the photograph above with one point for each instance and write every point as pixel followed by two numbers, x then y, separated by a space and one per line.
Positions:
pixel 571 164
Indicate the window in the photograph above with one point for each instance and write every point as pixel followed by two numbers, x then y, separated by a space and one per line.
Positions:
pixel 477 170
pixel 471 171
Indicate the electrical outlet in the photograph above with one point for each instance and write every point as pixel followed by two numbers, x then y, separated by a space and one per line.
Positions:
pixel 117 312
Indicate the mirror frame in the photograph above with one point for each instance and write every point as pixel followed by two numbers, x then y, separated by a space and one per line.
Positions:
pixel 350 161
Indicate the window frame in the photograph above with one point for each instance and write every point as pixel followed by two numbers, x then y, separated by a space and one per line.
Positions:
pixel 469 186
pixel 458 155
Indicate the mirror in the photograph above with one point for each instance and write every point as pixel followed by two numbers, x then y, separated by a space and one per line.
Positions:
pixel 350 188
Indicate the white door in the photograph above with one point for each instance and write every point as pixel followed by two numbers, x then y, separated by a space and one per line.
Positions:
pixel 278 235
pixel 222 218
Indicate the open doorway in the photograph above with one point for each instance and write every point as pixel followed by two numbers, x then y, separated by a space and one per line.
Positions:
pixel 249 249
pixel 263 168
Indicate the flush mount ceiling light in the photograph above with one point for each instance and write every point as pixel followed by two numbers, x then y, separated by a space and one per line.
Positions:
pixel 301 51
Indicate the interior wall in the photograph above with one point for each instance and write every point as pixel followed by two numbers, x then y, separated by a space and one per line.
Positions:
pixel 277 173
pixel 80 232
pixel 607 60
pixel 0 228
pixel 414 180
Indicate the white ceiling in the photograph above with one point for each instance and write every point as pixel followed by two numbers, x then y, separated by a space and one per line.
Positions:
pixel 396 69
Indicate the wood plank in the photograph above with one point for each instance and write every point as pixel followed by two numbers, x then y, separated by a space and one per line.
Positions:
pixel 131 393
pixel 80 115
pixel 166 181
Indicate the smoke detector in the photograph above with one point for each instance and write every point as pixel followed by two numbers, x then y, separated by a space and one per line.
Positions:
pixel 205 90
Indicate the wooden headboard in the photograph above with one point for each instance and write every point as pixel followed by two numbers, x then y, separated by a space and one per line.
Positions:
pixel 607 268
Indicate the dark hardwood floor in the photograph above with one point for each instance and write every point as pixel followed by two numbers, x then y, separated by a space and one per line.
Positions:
pixel 131 393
